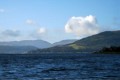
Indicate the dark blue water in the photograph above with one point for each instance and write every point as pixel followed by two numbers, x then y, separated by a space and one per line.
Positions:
pixel 73 66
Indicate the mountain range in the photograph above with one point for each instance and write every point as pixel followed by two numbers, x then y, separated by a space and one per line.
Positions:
pixel 36 43
pixel 28 45
pixel 89 44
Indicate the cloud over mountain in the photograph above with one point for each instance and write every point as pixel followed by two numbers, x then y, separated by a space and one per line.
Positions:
pixel 82 26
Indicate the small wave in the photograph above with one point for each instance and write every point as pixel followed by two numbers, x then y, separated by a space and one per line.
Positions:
pixel 59 69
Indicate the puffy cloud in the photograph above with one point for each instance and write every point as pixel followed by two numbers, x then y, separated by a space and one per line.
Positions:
pixel 10 33
pixel 2 10
pixel 82 26
pixel 30 22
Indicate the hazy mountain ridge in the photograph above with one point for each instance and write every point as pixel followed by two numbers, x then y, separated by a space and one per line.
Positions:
pixel 28 45
pixel 22 46
pixel 35 43
pixel 16 49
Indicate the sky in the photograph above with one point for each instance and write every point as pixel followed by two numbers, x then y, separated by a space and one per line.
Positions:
pixel 55 20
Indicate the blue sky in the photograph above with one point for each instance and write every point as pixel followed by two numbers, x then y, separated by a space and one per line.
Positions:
pixel 47 19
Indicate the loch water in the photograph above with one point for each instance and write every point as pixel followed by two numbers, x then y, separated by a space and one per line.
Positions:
pixel 62 66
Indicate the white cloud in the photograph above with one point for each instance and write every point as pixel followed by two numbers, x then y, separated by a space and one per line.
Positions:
pixel 30 22
pixel 41 30
pixel 82 26
pixel 2 10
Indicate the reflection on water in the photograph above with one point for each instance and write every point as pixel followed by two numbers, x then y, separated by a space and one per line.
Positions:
pixel 60 67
